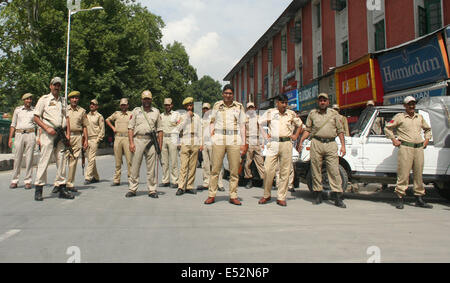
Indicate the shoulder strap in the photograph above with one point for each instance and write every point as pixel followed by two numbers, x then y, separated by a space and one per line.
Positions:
pixel 145 115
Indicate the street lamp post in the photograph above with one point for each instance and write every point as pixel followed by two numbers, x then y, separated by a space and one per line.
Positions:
pixel 72 12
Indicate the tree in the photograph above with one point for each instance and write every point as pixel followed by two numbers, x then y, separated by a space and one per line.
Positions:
pixel 206 90
pixel 114 53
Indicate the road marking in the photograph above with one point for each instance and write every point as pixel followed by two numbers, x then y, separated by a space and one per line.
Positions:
pixel 8 234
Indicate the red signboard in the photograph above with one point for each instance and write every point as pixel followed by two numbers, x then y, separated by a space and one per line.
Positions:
pixel 358 83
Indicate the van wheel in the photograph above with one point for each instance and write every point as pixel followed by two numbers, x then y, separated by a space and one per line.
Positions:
pixel 443 189
pixel 325 183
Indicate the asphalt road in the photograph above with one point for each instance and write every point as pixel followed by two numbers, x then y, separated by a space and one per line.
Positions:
pixel 101 225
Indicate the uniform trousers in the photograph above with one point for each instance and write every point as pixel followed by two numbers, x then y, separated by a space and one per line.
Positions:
pixel 47 151
pixel 24 144
pixel 278 153
pixel 121 147
pixel 328 151
pixel 188 157
pixel 410 158
pixel 150 161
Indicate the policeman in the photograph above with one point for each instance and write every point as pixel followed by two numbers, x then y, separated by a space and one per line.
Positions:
pixel 96 133
pixel 23 129
pixel 78 137
pixel 144 120
pixel 377 128
pixel 207 151
pixel 281 123
pixel 324 125
pixel 228 136
pixel 49 114
pixel 409 126
pixel 343 119
pixel 121 144
pixel 254 153
pixel 190 129
pixel 169 153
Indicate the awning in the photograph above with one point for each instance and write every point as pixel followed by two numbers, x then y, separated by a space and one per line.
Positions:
pixel 430 90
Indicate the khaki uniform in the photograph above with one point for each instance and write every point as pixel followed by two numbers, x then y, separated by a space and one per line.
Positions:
pixel 291 175
pixel 325 150
pixel 254 152
pixel 96 133
pixel 121 142
pixel 52 113
pixel 344 122
pixel 191 139
pixel 207 153
pixel 169 152
pixel 138 123
pixel 78 121
pixel 227 122
pixel 279 149
pixel 409 157
pixel 24 142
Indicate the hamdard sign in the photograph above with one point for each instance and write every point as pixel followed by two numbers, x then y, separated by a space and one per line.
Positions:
pixel 415 64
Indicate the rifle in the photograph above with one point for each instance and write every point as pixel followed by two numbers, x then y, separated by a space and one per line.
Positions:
pixel 243 158
pixel 83 161
pixel 61 136
pixel 154 141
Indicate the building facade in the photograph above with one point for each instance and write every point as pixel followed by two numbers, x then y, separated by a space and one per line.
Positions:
pixel 311 38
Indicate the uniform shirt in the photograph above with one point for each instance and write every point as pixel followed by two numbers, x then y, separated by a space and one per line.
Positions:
pixel 190 129
pixel 51 111
pixel 206 122
pixel 96 125
pixel 332 128
pixel 77 118
pixel 23 118
pixel 345 125
pixel 252 128
pixel 138 123
pixel 169 121
pixel 280 125
pixel 229 118
pixel 408 128
pixel 120 121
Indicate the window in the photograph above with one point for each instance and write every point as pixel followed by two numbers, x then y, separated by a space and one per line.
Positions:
pixel 430 16
pixel 296 32
pixel 269 54
pixel 251 70
pixel 345 52
pixel 379 36
pixel 319 66
pixel 338 5
pixel 422 21
pixel 283 43
pixel 318 15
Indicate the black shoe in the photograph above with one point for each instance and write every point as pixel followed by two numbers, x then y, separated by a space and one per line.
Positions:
pixel 179 192
pixel 55 190
pixel 38 193
pixel 318 198
pixel 338 202
pixel 191 191
pixel 130 195
pixel 174 186
pixel 64 193
pixel 399 203
pixel 72 189
pixel 421 203
pixel 115 184
pixel 249 185
pixel 292 190
pixel 94 180
pixel 87 182
pixel 153 195
pixel 202 188
pixel 164 185
pixel 221 189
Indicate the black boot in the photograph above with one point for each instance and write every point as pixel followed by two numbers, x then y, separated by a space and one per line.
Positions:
pixel 38 193
pixel 64 193
pixel 318 198
pixel 55 190
pixel 249 184
pixel 399 203
pixel 338 202
pixel 421 203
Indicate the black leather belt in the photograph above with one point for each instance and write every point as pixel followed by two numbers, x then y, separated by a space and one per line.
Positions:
pixel 281 139
pixel 324 140
pixel 414 145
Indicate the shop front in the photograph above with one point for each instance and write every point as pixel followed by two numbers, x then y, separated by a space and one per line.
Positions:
pixel 291 91
pixel 307 97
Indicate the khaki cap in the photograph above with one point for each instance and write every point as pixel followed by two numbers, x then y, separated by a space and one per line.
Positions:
pixel 335 107
pixel 323 94
pixel 188 100
pixel 167 101
pixel 206 105
pixel 94 101
pixel 56 80
pixel 370 102
pixel 124 101
pixel 73 94
pixel 26 95
pixel 146 94
pixel 408 99
pixel 250 104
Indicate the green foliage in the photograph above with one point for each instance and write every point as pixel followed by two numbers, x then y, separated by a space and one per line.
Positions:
pixel 114 53
pixel 205 90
